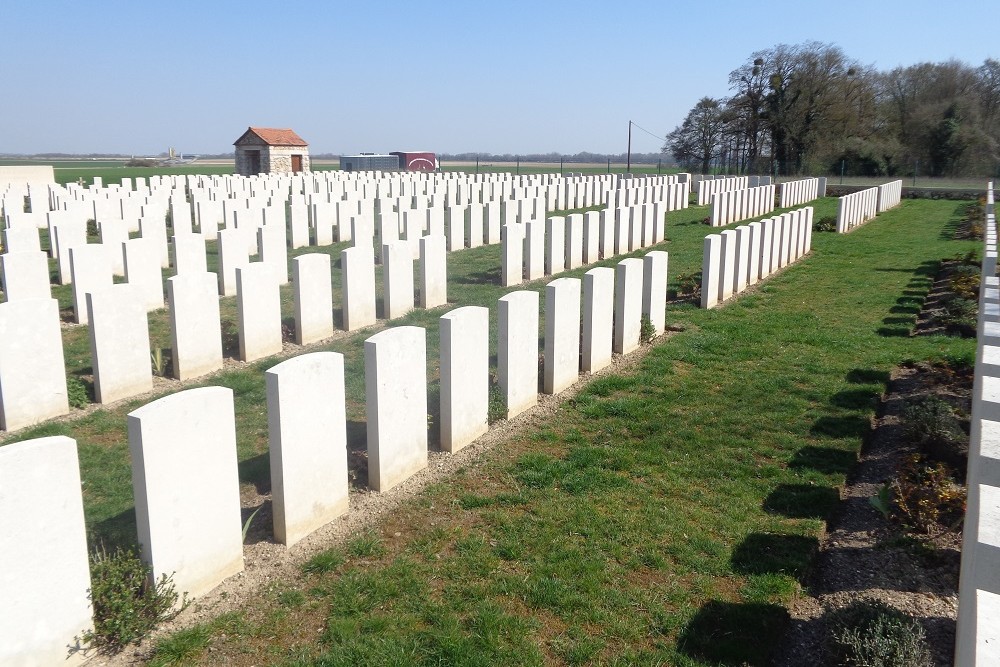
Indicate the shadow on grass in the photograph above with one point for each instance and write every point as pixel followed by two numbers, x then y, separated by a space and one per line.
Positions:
pixel 893 332
pixel 855 399
pixel 770 553
pixel 867 375
pixel 840 427
pixel 727 633
pixel 257 471
pixel 115 531
pixel 490 277
pixel 801 501
pixel 826 460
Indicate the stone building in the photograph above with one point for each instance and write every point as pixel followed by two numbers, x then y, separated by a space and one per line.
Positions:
pixel 268 150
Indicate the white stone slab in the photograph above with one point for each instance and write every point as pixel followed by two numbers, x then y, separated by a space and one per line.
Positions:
pixel 44 567
pixel 90 270
pixel 307 442
pixel 517 350
pixel 119 343
pixel 187 496
pixel 654 289
pixel 598 318
pixel 155 228
pixel 742 262
pixel 512 255
pixel 727 264
pixel 195 328
pixel 562 334
pixel 433 271
pixel 142 271
pixel 465 366
pixel 21 239
pixel 25 275
pixel 273 248
pixel 32 372
pixel 63 236
pixel 313 295
pixel 534 249
pixel 358 283
pixel 591 237
pixel 628 304
pixel 555 245
pixel 258 311
pixel 396 405
pixel 397 279
pixel 189 253
pixel 711 270
pixel 233 254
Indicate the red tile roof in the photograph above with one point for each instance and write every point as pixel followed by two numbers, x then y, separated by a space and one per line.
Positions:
pixel 274 136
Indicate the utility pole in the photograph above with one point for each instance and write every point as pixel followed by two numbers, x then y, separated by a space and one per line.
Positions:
pixel 628 163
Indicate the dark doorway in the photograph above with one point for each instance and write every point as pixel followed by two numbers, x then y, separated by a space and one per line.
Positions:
pixel 296 164
pixel 253 157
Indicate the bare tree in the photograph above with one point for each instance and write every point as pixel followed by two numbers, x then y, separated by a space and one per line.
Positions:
pixel 696 141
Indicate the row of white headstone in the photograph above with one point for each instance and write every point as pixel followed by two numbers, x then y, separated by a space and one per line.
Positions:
pixel 707 188
pixel 977 634
pixel 732 206
pixel 859 207
pixel 192 531
pixel 803 191
pixel 739 258
pixel 535 248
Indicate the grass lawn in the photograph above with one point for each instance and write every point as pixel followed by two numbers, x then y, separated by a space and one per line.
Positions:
pixel 663 516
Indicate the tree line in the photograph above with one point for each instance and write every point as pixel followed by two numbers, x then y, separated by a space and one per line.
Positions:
pixel 810 109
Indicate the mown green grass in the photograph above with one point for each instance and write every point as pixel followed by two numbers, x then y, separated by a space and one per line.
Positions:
pixel 665 515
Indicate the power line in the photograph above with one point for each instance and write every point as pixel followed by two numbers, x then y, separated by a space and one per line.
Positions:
pixel 655 136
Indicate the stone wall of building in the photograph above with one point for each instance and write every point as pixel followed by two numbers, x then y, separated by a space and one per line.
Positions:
pixel 279 159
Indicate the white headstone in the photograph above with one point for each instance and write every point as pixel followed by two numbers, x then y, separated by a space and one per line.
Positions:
pixel 258 309
pixel 517 350
pixel 90 271
pixel 32 370
pixel 396 405
pixel 142 271
pixel 187 495
pixel 25 275
pixel 654 289
pixel 628 304
pixel 358 280
pixel 119 343
pixel 307 427
pixel 195 328
pixel 433 271
pixel 598 317
pixel 562 334
pixel 44 567
pixel 465 366
pixel 397 279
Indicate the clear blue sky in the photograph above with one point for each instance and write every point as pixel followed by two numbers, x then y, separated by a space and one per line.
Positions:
pixel 140 76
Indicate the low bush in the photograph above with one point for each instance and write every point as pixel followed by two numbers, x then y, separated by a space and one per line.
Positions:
pixel 77 392
pixel 934 425
pixel 828 223
pixel 646 331
pixel 870 633
pixel 926 496
pixel 127 606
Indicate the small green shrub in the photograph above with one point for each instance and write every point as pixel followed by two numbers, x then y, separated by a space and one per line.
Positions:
pixel 870 633
pixel 77 392
pixel 126 606
pixel 931 423
pixel 92 230
pixel 828 223
pixel 497 410
pixel 646 330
